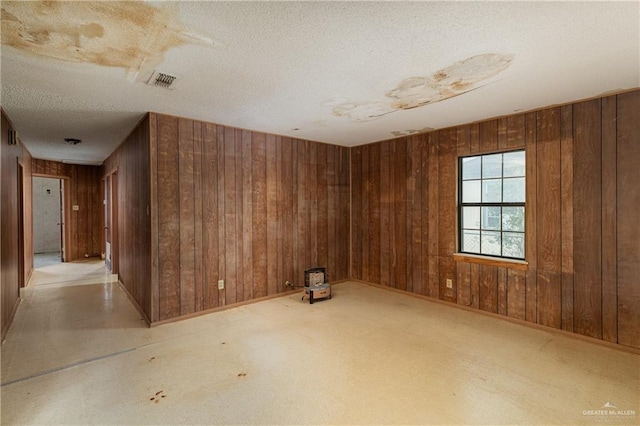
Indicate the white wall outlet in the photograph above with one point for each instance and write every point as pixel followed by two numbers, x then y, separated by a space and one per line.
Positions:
pixel 220 284
pixel 75 207
pixel 449 283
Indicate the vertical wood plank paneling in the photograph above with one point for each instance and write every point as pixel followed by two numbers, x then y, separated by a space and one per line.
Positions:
pixel 531 217
pixel 297 254
pixel 239 160
pixel 463 140
pixel 222 221
pixel 474 138
pixel 502 291
pixel 116 158
pixel 365 196
pixel 230 215
pixel 373 224
pixel 400 245
pixel 463 279
pixel 488 134
pixel 587 259
pixel 272 244
pixel 516 131
pixel 516 294
pixel 312 202
pixel 502 133
pixel 433 213
pixel 168 217
pixel 186 252
pixel 609 221
pixel 285 213
pixel 549 232
pixel 566 189
pixel 210 221
pixel 333 201
pixel 344 226
pixel 447 270
pixel 10 254
pixel 425 209
pixel 259 213
pixel 548 191
pixel 474 279
pixel 247 216
pixel 628 231
pixel 447 184
pixel 356 200
pixel 488 288
pixel 385 214
pixel 322 209
pixel 198 216
pixel 416 214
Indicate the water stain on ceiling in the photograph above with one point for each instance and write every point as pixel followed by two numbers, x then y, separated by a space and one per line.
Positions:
pixel 131 35
pixel 409 132
pixel 413 92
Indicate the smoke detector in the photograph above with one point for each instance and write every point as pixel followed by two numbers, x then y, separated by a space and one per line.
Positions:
pixel 162 79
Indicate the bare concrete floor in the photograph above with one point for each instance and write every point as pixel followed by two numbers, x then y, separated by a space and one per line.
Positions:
pixel 79 353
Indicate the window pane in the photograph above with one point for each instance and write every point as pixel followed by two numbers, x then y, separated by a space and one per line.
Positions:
pixel 471 191
pixel 513 219
pixel 471 217
pixel 492 191
pixel 491 218
pixel 491 166
pixel 513 244
pixel 490 242
pixel 471 168
pixel 514 190
pixel 514 164
pixel 471 241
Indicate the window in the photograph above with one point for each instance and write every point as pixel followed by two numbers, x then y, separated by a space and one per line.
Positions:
pixel 491 204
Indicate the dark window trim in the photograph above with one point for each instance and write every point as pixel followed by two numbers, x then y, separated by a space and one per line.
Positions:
pixel 488 204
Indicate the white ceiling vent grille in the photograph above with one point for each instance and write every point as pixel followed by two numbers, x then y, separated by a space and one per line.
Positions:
pixel 162 79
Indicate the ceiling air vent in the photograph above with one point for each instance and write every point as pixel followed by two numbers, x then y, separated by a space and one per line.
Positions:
pixel 162 79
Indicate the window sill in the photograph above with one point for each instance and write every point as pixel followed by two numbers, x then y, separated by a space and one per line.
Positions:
pixel 491 261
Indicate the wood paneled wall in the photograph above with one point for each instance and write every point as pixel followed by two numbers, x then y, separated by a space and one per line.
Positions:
pixel 131 163
pixel 582 243
pixel 249 208
pixel 85 229
pixel 10 255
pixel 27 197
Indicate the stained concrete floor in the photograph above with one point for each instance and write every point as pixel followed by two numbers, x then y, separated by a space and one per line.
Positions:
pixel 79 353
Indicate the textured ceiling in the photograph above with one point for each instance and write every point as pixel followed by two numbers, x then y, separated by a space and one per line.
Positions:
pixel 346 73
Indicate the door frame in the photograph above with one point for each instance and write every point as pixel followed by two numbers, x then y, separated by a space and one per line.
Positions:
pixel 110 202
pixel 21 242
pixel 65 229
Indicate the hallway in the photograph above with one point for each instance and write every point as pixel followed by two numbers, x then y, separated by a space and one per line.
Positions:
pixel 79 353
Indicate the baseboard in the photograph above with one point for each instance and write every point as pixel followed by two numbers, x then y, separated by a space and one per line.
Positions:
pixel 234 305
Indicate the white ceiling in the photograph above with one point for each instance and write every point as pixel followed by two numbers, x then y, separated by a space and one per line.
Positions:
pixel 346 73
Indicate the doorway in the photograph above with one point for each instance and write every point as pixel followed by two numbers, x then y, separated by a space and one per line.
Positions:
pixel 111 221
pixel 48 221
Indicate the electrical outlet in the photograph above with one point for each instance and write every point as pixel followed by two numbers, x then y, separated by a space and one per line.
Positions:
pixel 220 284
pixel 449 283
